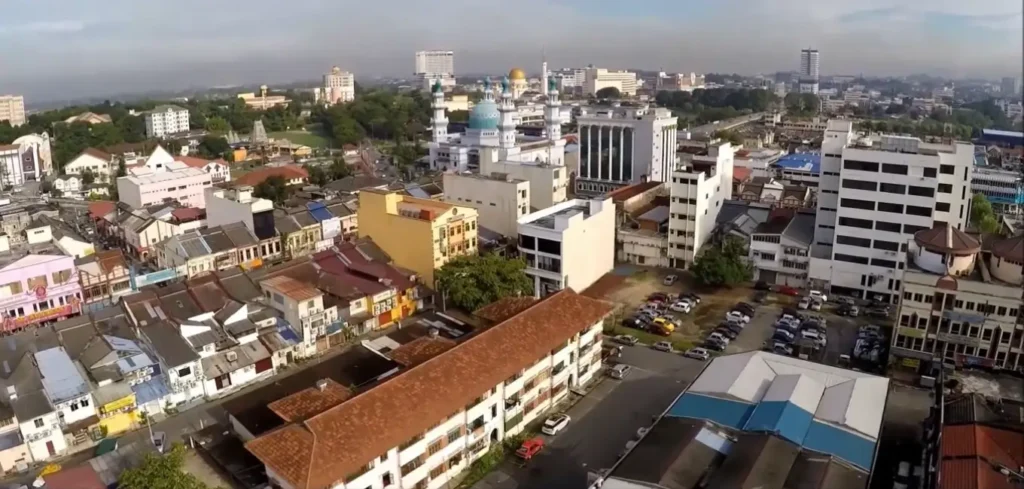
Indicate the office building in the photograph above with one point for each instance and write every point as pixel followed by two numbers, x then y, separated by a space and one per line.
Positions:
pixel 1009 87
pixel 18 164
pixel 12 109
pixel 620 146
pixel 339 87
pixel 874 193
pixel 961 304
pixel 419 234
pixel 1003 187
pixel 166 119
pixel 568 245
pixel 809 71
pixel 163 179
pixel 263 100
pixel 499 199
pixel 433 67
pixel 698 187
pixel 599 78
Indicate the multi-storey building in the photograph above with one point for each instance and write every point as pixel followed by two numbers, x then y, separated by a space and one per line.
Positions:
pixel 1003 187
pixel 599 78
pixel 874 194
pixel 568 245
pixel 339 87
pixel 163 179
pixel 961 303
pixel 166 119
pixel 421 428
pixel 499 199
pixel 302 305
pixel 780 248
pixel 18 164
pixel 99 163
pixel 809 70
pixel 620 146
pixel 104 277
pixel 301 234
pixel 12 109
pixel 419 234
pixel 435 66
pixel 38 288
pixel 699 186
pixel 67 391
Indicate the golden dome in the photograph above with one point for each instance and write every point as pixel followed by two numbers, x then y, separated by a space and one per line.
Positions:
pixel 516 74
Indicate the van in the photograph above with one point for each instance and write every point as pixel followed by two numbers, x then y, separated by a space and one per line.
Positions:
pixel 619 371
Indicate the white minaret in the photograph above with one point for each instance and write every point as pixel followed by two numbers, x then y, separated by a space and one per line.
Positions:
pixel 552 112
pixel 507 122
pixel 439 121
pixel 544 77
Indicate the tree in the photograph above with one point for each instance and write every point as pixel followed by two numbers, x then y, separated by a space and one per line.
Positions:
pixel 458 116
pixel 608 92
pixel 317 175
pixel 213 147
pixel 88 177
pixel 723 265
pixel 339 169
pixel 471 282
pixel 982 216
pixel 731 136
pixel 121 169
pixel 273 188
pixel 217 124
pixel 161 472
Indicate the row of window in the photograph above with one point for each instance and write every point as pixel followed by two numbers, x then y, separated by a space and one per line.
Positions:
pixel 868 205
pixel 892 188
pixel 877 244
pixel 891 227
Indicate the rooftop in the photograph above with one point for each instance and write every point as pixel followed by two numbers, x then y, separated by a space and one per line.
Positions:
pixel 291 288
pixel 550 217
pixel 806 162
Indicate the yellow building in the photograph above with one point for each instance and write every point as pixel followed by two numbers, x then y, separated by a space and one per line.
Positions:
pixel 419 234
pixel 117 408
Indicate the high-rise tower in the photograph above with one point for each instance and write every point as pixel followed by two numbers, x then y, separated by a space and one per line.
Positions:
pixel 507 122
pixel 544 77
pixel 439 121
pixel 552 111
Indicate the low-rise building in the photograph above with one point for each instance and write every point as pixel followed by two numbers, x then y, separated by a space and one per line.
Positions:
pixel 164 120
pixel 99 163
pixel 499 199
pixel 780 248
pixel 105 278
pixel 162 179
pixel 301 234
pixel 642 213
pixel 699 187
pixel 38 288
pixel 291 174
pixel 549 184
pixel 568 245
pixel 69 393
pixel 217 169
pixel 302 306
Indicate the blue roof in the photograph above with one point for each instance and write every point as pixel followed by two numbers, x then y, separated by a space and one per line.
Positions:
pixel 733 414
pixel 286 331
pixel 151 390
pixel 784 418
pixel 809 162
pixel 484 116
pixel 848 446
pixel 1003 137
pixel 319 211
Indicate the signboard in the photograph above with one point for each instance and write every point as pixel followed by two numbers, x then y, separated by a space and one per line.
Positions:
pixel 156 277
pixel 962 360
pixel 911 363
pixel 959 340
pixel 963 317
pixel 45 315
pixel 911 332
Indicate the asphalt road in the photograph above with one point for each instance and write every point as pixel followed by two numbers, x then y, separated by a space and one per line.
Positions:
pixel 602 422
pixel 708 129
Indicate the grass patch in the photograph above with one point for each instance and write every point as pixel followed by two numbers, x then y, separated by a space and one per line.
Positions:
pixel 307 138
pixel 493 458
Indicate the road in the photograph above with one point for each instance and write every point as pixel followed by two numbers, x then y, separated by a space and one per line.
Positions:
pixel 603 421
pixel 708 129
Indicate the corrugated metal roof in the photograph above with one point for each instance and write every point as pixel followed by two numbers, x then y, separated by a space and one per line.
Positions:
pixel 61 379
pixel 319 211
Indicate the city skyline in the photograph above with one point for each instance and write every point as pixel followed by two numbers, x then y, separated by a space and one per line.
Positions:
pixel 113 48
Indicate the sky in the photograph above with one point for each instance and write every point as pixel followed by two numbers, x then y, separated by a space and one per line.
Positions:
pixel 64 49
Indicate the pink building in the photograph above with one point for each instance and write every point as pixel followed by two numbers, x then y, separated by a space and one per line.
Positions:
pixel 160 179
pixel 38 288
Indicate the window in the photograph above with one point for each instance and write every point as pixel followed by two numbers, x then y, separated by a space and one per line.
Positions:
pixel 13 287
pixel 36 282
pixel 454 434
pixel 886 245
pixel 891 227
pixel 85 402
pixel 860 165
pixel 921 191
pixel 435 447
pixel 38 422
pixel 61 276
pixel 549 246
pixel 437 471
pixel 857 204
pixel 849 240
pixel 919 211
pixel 911 229
pixel 860 184
pixel 893 188
pixel 526 242
pixel 947 169
pixel 854 222
pixel 851 258
pixel 883 263
pixel 766 238
pixel 942 206
pixel 929 173
pixel 945 188
pixel 893 208
pixel 184 372
pixel 894 169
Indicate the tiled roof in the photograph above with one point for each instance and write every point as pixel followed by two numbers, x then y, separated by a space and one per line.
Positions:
pixel 287 172
pixel 188 214
pixel 741 174
pixel 361 429
pixel 628 192
pixel 310 401
pixel 947 239
pixel 292 288
pixel 98 153
pixel 198 162
pixel 100 208
pixel 420 350
pixel 1010 248
pixel 503 309
pixel 969 452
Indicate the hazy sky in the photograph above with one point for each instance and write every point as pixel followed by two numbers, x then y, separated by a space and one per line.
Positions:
pixel 71 48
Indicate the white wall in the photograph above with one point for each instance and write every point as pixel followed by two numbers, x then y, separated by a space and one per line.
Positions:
pixel 499 203
pixel 587 244
pixel 38 431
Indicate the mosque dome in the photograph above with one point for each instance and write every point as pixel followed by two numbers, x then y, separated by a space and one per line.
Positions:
pixel 516 74
pixel 484 115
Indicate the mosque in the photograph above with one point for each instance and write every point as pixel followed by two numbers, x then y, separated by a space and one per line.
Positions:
pixel 491 134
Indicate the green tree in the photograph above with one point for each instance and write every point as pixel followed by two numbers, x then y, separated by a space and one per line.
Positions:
pixel 217 124
pixel 212 147
pixel 458 116
pixel 983 218
pixel 273 188
pixel 608 92
pixel 339 169
pixel 317 175
pixel 88 177
pixel 471 282
pixel 731 136
pixel 161 472
pixel 121 169
pixel 723 265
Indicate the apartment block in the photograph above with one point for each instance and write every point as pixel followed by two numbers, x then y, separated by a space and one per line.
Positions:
pixel 164 120
pixel 419 234
pixel 699 186
pixel 620 146
pixel 875 193
pixel 780 248
pixel 961 303
pixel 421 428
pixel 163 179
pixel 302 305
pixel 549 184
pixel 12 109
pixel 597 79
pixel 499 199
pixel 568 245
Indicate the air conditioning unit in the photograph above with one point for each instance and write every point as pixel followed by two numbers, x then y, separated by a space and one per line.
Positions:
pixel 232 356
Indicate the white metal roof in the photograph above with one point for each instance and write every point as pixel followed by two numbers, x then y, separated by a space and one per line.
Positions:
pixel 801 390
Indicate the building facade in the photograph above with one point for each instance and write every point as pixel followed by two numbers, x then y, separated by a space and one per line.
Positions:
pixel 809 71
pixel 1003 187
pixel 698 188
pixel 620 146
pixel 39 288
pixel 433 67
pixel 598 79
pixel 12 109
pixel 166 119
pixel 100 163
pixel 499 199
pixel 339 87
pixel 18 164
pixel 571 244
pixel 163 179
pixel 780 249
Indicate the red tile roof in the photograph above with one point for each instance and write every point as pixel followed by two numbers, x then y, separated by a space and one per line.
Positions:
pixel 503 309
pixel 628 192
pixel 310 402
pixel 198 162
pixel 420 350
pixel 741 174
pixel 98 153
pixel 78 477
pixel 292 288
pixel 328 447
pixel 969 452
pixel 287 172
pixel 186 214
pixel 100 208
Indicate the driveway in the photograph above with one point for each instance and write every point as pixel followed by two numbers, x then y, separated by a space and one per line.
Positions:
pixel 602 422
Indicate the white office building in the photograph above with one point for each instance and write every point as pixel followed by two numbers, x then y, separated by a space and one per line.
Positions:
pixel 571 244
pixel 875 193
pixel 620 146
pixel 809 71
pixel 339 87
pixel 597 79
pixel 434 66
pixel 12 109
pixel 698 187
pixel 165 120
pixel 1003 187
pixel 499 199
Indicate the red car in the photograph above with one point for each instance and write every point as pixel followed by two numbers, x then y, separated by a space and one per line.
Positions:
pixel 784 289
pixel 530 448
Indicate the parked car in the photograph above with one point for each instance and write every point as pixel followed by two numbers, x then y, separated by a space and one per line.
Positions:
pixel 658 296
pixel 782 348
pixel 819 295
pixel 664 323
pixel 815 305
pixel 670 280
pixel 681 306
pixel 555 423
pixel 846 301
pixel 626 339
pixel 746 308
pixel 820 340
pixel 848 310
pixel 159 441
pixel 737 316
pixel 762 285
pixel 690 295
pixel 611 351
pixel 728 333
pixel 718 337
pixel 787 290
pixel 804 303
pixel 663 346
pixel 760 296
pixel 619 371
pixel 634 322
pixel 712 344
pixel 697 353
pixel 784 336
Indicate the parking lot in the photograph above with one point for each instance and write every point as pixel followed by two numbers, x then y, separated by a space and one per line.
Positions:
pixel 602 422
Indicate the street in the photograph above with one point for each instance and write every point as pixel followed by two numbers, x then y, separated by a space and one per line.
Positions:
pixel 602 422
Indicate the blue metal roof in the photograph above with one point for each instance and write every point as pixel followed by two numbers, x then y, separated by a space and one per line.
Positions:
pixel 319 211
pixel 848 446
pixel 809 162
pixel 1002 137
pixel 784 418
pixel 151 390
pixel 733 414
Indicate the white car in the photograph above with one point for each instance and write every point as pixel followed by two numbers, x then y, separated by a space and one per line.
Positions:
pixel 697 353
pixel 815 305
pixel 663 346
pixel 818 295
pixel 814 335
pixel 716 336
pixel 737 316
pixel 683 307
pixel 159 441
pixel 626 339
pixel 669 280
pixel 555 423
pixel 804 303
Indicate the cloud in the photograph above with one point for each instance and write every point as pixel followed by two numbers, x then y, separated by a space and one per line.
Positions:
pixel 46 27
